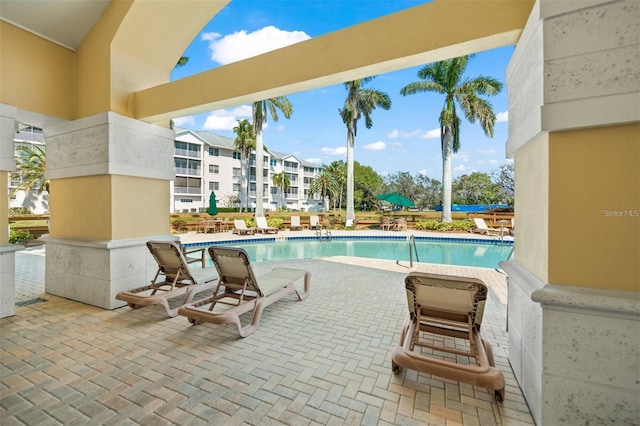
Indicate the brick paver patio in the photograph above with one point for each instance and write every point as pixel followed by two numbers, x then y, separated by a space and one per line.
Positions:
pixel 325 360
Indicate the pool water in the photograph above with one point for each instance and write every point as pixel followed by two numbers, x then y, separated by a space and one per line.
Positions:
pixel 447 251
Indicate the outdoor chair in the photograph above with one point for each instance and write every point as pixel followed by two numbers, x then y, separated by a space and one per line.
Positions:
pixel 263 227
pixel 295 224
pixel 401 224
pixel 210 225
pixel 240 291
pixel 444 323
pixel 314 222
pixel 241 228
pixel 174 278
pixel 480 227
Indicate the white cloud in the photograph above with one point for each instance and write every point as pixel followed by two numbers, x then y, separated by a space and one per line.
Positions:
pixel 432 134
pixel 342 150
pixel 184 121
pixel 376 146
pixel 400 134
pixel 241 44
pixel 462 156
pixel 502 117
pixel 224 119
pixel 314 160
pixel 423 172
pixel 280 128
pixel 487 151
pixel 460 168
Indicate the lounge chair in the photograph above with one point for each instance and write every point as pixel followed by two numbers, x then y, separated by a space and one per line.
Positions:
pixel 240 291
pixel 448 310
pixel 241 228
pixel 263 227
pixel 480 227
pixel 174 278
pixel 188 251
pixel 314 222
pixel 385 224
pixel 401 224
pixel 295 223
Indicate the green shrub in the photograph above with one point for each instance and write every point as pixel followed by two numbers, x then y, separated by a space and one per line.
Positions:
pixel 436 225
pixel 19 211
pixel 178 224
pixel 17 235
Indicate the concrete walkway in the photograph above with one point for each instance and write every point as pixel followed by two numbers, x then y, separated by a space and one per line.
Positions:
pixel 326 360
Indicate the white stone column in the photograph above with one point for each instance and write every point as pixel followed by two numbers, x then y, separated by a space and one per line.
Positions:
pixel 7 251
pixel 575 350
pixel 106 146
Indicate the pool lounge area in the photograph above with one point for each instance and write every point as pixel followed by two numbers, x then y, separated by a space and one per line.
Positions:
pixel 325 360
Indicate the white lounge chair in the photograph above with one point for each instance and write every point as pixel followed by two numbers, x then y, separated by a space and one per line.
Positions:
pixel 263 227
pixel 241 228
pixel 243 291
pixel 314 222
pixel 295 223
pixel 482 228
pixel 174 278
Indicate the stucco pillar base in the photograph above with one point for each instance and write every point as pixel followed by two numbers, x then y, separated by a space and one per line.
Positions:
pixel 8 279
pixel 93 272
pixel 575 351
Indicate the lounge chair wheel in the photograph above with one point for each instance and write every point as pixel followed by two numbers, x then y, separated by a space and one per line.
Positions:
pixel 395 368
pixel 133 306
pixel 499 394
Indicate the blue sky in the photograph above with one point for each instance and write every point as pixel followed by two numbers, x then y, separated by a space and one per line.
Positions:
pixel 405 138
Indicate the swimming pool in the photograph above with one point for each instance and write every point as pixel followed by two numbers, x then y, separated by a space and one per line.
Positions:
pixel 447 251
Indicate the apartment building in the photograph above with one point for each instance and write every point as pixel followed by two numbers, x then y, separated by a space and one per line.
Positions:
pixel 206 162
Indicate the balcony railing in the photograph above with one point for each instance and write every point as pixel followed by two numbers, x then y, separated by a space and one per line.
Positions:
pixel 186 153
pixel 188 171
pixel 186 190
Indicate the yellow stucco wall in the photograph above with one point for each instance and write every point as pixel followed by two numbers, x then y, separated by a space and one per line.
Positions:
pixel 594 207
pixel 531 205
pixel 141 207
pixel 81 208
pixel 109 207
pixel 4 208
pixel 36 73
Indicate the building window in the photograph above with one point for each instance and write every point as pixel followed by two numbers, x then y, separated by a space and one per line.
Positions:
pixel 186 200
pixel 236 172
pixel 237 155
pixel 214 186
pixel 215 152
pixel 236 187
pixel 214 168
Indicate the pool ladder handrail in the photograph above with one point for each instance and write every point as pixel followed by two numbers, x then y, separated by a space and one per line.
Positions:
pixel 412 248
pixel 319 232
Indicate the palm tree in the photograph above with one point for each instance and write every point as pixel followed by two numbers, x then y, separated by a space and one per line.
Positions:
pixel 31 165
pixel 337 169
pixel 359 102
pixel 325 185
pixel 260 110
pixel 282 181
pixel 446 77
pixel 245 142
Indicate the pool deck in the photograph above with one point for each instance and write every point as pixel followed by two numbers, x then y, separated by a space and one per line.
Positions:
pixel 325 360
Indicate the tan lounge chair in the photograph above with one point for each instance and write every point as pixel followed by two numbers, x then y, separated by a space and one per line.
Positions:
pixel 314 222
pixel 241 228
pixel 240 291
pixel 173 279
pixel 263 227
pixel 480 227
pixel 443 309
pixel 295 224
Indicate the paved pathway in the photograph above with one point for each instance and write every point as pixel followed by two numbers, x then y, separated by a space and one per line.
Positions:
pixel 326 360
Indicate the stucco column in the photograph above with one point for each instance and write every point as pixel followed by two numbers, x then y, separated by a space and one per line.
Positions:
pixel 7 251
pixel 109 194
pixel 574 286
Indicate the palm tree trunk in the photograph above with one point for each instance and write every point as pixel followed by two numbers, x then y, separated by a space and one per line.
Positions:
pixel 243 192
pixel 350 215
pixel 446 175
pixel 259 177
